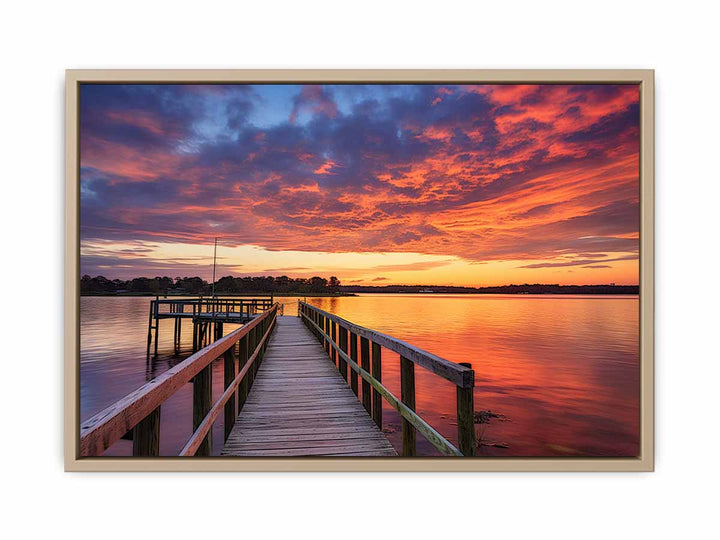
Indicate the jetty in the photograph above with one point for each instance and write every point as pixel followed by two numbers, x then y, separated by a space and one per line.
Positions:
pixel 294 385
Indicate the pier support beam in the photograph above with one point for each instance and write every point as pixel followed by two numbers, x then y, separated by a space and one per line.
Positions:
pixel 377 374
pixel 354 357
pixel 202 403
pixel 407 394
pixel 146 436
pixel 466 418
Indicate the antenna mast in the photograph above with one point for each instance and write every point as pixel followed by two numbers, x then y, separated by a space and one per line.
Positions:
pixel 214 263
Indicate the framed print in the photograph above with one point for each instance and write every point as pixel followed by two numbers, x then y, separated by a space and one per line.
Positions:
pixel 421 270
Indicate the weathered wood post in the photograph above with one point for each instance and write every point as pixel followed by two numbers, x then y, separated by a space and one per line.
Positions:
pixel 407 394
pixel 354 357
pixel 218 330
pixel 182 310
pixel 343 347
pixel 157 323
pixel 231 372
pixel 146 435
pixel 202 403
pixel 251 351
pixel 334 339
pixel 365 364
pixel 242 360
pixel 377 374
pixel 324 326
pixel 150 326
pixel 466 416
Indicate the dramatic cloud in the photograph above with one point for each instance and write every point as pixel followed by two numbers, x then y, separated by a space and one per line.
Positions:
pixel 545 176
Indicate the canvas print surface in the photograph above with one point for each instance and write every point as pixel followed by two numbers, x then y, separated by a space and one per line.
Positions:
pixel 345 270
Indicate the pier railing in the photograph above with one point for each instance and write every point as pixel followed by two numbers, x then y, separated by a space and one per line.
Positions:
pixel 139 412
pixel 206 310
pixel 340 339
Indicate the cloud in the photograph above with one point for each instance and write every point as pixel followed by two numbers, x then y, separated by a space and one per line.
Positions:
pixel 580 262
pixel 287 269
pixel 313 99
pixel 381 279
pixel 478 172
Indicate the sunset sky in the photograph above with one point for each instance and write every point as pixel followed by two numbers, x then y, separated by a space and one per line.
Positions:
pixel 375 184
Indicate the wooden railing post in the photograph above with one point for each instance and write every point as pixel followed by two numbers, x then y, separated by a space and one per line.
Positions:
pixel 253 346
pixel 231 372
pixel 354 357
pixel 342 364
pixel 202 403
pixel 334 339
pixel 326 341
pixel 377 374
pixel 466 417
pixel 146 436
pixel 365 364
pixel 150 326
pixel 157 323
pixel 407 394
pixel 242 360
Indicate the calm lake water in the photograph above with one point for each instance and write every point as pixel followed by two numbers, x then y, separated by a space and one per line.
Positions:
pixel 561 371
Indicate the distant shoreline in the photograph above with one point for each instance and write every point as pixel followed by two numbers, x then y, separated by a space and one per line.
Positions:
pixel 591 290
pixel 221 294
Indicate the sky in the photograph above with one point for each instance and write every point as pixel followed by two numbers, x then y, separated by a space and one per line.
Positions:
pixel 472 185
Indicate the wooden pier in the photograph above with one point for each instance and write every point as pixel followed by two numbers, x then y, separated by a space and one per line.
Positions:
pixel 291 389
pixel 208 314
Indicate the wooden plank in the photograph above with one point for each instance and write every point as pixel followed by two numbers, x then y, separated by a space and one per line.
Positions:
pixel 300 405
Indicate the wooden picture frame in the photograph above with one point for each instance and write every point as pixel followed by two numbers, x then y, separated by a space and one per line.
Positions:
pixel 645 460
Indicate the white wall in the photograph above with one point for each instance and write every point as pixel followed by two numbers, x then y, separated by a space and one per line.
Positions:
pixel 39 41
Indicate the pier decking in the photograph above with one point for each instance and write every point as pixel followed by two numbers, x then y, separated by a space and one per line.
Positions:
pixel 300 405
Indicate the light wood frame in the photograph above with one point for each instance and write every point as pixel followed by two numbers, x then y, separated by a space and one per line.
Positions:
pixel 644 462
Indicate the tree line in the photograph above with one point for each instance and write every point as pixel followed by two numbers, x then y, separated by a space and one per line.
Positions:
pixel 195 285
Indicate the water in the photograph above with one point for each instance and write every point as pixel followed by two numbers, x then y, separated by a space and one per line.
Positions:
pixel 562 371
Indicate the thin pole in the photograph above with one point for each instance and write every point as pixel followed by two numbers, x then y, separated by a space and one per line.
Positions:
pixel 214 261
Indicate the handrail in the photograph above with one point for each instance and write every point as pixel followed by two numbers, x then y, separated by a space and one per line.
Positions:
pixel 203 429
pixel 99 432
pixel 455 373
pixel 323 325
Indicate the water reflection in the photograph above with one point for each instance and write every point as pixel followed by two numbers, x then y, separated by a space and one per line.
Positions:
pixel 562 371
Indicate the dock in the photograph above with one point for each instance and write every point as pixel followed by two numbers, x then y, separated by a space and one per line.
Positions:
pixel 208 314
pixel 294 386
pixel 300 405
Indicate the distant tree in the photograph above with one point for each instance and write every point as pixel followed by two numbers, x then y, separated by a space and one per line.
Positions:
pixel 333 284
pixel 317 284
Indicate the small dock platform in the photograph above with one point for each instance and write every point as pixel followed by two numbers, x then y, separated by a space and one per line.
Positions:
pixel 300 405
